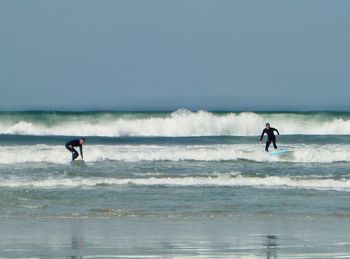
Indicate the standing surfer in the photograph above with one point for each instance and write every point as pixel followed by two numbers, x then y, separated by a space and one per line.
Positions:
pixel 75 143
pixel 270 136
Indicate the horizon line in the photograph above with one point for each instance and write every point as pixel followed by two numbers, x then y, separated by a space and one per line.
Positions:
pixel 173 109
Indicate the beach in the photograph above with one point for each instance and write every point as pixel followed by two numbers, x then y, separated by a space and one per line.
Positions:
pixel 148 129
pixel 171 238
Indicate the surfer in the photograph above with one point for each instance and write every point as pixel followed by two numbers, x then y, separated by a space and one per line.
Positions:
pixel 270 136
pixel 75 143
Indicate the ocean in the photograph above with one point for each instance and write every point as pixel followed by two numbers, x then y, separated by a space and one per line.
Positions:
pixel 177 184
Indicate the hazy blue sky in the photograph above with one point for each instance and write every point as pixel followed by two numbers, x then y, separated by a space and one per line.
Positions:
pixel 170 54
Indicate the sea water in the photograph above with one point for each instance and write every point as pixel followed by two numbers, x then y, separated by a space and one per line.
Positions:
pixel 181 184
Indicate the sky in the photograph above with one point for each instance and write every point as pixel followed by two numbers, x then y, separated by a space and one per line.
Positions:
pixel 165 55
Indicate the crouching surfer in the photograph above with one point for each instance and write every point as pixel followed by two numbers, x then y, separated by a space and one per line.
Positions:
pixel 76 143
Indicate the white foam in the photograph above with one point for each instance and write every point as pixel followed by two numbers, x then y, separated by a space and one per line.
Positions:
pixel 134 153
pixel 223 180
pixel 179 123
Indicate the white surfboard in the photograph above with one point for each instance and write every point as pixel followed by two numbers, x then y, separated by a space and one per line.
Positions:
pixel 279 152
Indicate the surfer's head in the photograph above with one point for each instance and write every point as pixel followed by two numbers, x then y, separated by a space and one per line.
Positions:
pixel 82 141
pixel 267 125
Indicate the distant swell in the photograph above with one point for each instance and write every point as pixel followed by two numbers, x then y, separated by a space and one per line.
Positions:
pixel 224 180
pixel 179 123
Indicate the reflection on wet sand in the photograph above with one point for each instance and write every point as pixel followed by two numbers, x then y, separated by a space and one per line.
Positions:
pixel 77 241
pixel 271 247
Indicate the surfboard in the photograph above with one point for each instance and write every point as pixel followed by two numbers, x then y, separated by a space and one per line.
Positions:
pixel 279 152
pixel 78 162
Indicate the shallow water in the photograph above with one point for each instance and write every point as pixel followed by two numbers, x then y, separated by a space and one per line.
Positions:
pixel 141 193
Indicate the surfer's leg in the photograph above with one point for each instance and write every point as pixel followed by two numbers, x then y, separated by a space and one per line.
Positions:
pixel 274 144
pixel 75 153
pixel 268 142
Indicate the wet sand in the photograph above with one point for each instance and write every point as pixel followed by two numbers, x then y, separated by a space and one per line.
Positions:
pixel 140 238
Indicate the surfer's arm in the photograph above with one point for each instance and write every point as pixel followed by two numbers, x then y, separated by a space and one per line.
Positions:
pixel 262 135
pixel 276 131
pixel 81 152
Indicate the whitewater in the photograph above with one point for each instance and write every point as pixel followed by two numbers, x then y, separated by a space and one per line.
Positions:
pixel 180 123
pixel 57 154
pixel 181 164
pixel 223 180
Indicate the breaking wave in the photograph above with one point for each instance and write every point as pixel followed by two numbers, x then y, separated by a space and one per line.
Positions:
pixel 180 123
pixel 134 153
pixel 223 180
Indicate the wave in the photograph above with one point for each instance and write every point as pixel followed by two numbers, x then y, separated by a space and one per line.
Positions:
pixel 135 153
pixel 223 180
pixel 181 123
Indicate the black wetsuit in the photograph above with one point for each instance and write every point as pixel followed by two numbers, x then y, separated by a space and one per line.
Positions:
pixel 270 137
pixel 70 146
